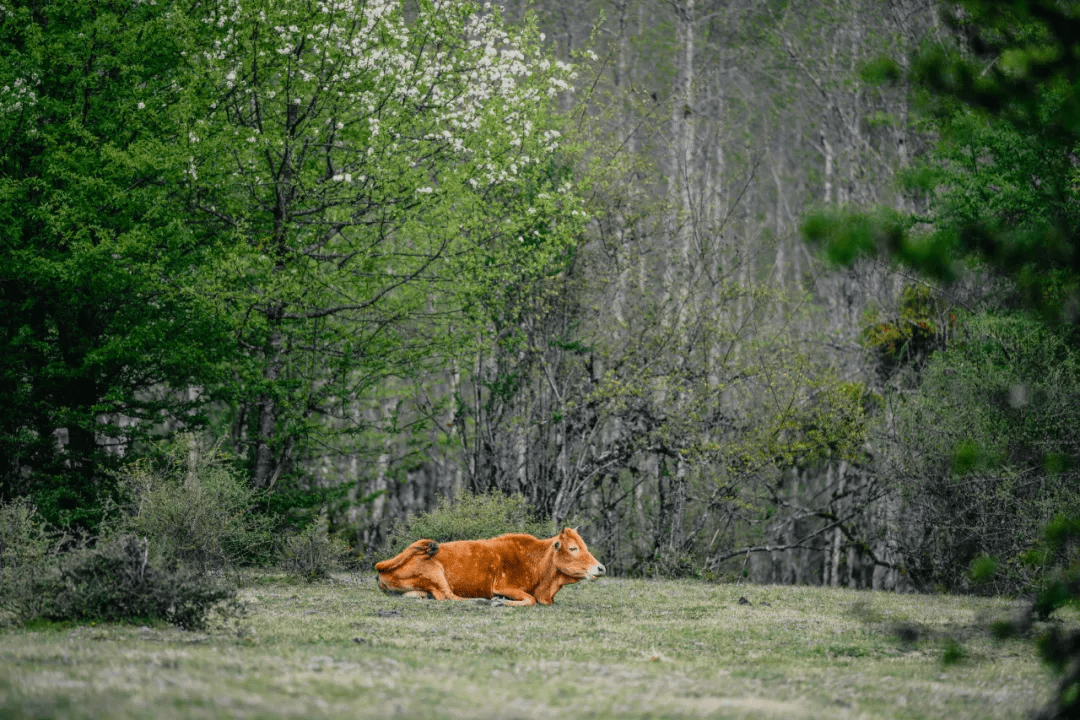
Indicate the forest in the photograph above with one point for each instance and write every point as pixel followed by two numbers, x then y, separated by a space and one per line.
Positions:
pixel 784 291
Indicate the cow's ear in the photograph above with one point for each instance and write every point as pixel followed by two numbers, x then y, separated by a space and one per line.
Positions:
pixel 558 544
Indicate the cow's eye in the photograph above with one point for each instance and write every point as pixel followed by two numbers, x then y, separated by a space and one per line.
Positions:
pixel 573 549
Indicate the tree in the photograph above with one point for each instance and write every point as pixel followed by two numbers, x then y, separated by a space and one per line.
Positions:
pixel 1002 191
pixel 999 188
pixel 993 418
pixel 1001 181
pixel 100 329
pixel 377 168
pixel 651 341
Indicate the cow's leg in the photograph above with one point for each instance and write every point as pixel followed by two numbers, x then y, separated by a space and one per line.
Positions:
pixel 418 579
pixel 439 587
pixel 517 597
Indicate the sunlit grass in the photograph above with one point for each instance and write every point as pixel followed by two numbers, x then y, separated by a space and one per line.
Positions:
pixel 613 648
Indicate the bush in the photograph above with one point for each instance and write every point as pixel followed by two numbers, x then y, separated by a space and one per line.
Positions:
pixel 118 579
pixel 23 538
pixel 194 507
pixel 668 563
pixel 312 553
pixel 114 581
pixel 1059 549
pixel 470 517
pixel 23 591
pixel 984 454
pixel 25 546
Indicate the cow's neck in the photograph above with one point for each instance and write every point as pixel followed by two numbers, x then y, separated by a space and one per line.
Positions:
pixel 549 584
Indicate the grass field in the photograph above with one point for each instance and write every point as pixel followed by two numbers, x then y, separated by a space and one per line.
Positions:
pixel 608 649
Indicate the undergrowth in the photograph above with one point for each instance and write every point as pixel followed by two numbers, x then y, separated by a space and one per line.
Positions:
pixel 470 516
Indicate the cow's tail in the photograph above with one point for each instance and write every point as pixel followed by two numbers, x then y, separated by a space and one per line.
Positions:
pixel 419 548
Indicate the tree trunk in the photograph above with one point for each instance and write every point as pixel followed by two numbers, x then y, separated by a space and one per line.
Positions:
pixel 838 536
pixel 264 473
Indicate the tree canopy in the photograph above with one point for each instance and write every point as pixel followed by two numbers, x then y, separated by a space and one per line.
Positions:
pixel 101 328
pixel 275 206
pixel 1000 184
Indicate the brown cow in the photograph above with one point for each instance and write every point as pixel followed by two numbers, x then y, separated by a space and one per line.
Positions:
pixel 522 568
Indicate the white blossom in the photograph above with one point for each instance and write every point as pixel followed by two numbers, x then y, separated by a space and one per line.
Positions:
pixel 461 113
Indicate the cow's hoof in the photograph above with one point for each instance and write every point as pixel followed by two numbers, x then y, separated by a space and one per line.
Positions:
pixel 497 602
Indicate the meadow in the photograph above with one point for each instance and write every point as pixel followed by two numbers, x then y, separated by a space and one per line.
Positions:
pixel 615 648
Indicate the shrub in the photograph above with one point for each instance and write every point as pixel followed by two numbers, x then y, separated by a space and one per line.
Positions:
pixel 312 553
pixel 24 591
pixel 115 581
pixel 25 546
pixel 118 579
pixel 194 507
pixel 668 563
pixel 23 538
pixel 470 517
pixel 994 423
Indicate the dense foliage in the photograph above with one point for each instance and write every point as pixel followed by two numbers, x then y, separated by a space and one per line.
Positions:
pixel 271 207
pixel 1000 182
pixel 995 415
pixel 118 579
pixel 193 504
pixel 100 328
pixel 375 167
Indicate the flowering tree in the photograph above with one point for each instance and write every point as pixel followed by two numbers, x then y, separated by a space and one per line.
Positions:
pixel 377 169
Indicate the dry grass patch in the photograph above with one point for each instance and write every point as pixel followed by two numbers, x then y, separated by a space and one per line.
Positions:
pixel 613 648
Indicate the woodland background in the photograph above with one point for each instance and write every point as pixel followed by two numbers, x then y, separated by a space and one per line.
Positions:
pixel 792 296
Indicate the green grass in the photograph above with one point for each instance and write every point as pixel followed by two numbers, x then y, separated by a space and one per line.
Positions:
pixel 613 648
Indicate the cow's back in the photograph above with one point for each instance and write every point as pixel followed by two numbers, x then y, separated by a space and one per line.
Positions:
pixel 473 567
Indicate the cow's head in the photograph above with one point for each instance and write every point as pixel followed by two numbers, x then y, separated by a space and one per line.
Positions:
pixel 572 557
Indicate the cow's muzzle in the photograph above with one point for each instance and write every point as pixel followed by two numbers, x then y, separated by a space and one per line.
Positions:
pixel 595 572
